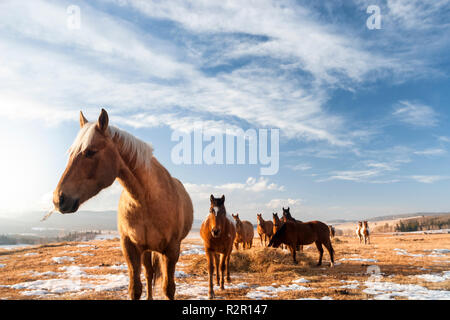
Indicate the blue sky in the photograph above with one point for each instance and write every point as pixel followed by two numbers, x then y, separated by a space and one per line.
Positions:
pixel 363 114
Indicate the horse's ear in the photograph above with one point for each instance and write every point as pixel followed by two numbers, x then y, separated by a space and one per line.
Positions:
pixel 211 198
pixel 83 120
pixel 223 198
pixel 288 209
pixel 103 121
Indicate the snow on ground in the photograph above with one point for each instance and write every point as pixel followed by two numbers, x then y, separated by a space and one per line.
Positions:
pixel 434 277
pixel 193 249
pixel 388 290
pixel 63 259
pixel 272 291
pixel 358 259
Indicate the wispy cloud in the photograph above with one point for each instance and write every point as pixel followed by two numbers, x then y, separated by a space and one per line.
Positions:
pixel 416 114
pixel 431 152
pixel 429 178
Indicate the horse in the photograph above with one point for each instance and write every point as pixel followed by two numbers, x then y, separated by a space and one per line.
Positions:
pixel 264 228
pixel 332 231
pixel 358 231
pixel 155 212
pixel 365 232
pixel 244 232
pixel 277 223
pixel 218 233
pixel 288 217
pixel 294 234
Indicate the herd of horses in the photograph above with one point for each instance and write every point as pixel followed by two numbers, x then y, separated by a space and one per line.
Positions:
pixel 220 232
pixel 155 211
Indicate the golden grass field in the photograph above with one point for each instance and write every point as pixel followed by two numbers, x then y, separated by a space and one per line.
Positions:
pixel 414 266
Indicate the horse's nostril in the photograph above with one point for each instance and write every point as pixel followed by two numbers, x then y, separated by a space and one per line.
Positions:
pixel 61 199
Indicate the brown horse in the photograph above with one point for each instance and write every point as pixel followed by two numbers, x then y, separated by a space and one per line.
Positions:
pixel 218 233
pixel 302 233
pixel 365 232
pixel 264 228
pixel 155 211
pixel 332 231
pixel 277 223
pixel 244 233
pixel 288 217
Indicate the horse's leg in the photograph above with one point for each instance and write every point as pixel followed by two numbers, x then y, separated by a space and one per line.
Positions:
pixel 319 247
pixel 170 259
pixel 133 257
pixel 147 261
pixel 216 263
pixel 292 248
pixel 227 266
pixel 223 258
pixel 330 252
pixel 210 256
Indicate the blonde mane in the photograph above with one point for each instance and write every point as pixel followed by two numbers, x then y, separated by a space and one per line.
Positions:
pixel 140 152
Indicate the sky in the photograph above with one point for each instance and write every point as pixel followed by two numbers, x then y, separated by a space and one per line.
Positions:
pixel 362 112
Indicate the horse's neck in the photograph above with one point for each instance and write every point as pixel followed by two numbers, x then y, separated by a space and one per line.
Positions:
pixel 137 180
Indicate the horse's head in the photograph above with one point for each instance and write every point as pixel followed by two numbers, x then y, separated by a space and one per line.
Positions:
pixel 259 219
pixel 276 222
pixel 365 224
pixel 359 223
pixel 278 238
pixel 286 214
pixel 217 215
pixel 237 220
pixel 93 165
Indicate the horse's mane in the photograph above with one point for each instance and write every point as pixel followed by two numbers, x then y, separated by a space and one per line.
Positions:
pixel 139 151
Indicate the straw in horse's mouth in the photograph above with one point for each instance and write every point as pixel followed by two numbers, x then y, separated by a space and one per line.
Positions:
pixel 48 214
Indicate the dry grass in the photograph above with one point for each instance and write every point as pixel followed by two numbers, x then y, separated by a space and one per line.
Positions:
pixel 255 267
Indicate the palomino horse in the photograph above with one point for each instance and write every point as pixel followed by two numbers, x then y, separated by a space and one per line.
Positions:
pixel 365 232
pixel 358 231
pixel 264 228
pixel 244 233
pixel 218 233
pixel 155 211
pixel 294 234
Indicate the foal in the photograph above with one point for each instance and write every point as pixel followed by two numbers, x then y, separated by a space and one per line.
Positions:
pixel 264 228
pixel 218 233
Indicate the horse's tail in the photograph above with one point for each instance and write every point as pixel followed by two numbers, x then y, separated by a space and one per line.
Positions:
pixel 156 265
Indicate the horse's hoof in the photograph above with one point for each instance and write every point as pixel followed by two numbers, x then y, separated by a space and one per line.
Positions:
pixel 211 296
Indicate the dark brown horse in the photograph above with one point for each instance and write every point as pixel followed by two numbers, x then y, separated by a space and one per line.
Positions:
pixel 244 232
pixel 299 233
pixel 264 228
pixel 218 233
pixel 288 217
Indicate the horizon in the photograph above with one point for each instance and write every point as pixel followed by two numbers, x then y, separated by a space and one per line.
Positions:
pixel 361 105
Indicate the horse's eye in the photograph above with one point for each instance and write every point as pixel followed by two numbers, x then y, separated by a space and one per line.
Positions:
pixel 89 153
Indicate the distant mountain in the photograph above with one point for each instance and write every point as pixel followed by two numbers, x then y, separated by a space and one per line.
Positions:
pixel 82 220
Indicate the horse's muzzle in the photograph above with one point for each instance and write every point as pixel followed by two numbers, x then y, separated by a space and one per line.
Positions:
pixel 215 233
pixel 66 204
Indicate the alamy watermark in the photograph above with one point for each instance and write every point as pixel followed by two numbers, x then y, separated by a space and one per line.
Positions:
pixel 231 147
pixel 374 21
pixel 73 17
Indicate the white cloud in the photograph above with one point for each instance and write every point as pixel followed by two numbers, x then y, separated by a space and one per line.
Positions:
pixel 416 114
pixel 429 178
pixel 431 152
pixel 277 204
